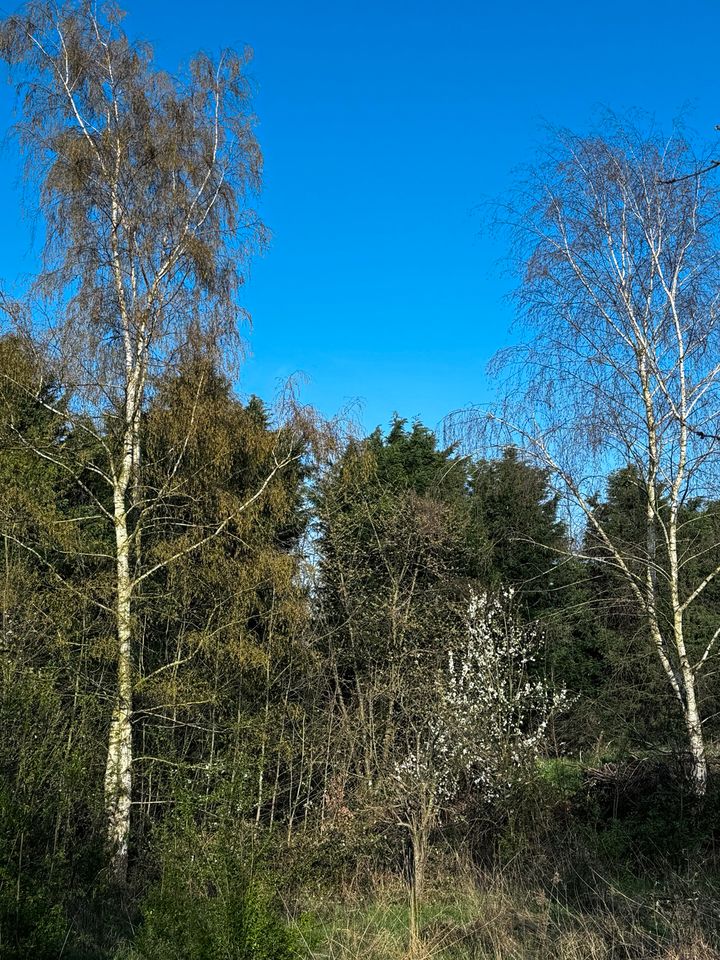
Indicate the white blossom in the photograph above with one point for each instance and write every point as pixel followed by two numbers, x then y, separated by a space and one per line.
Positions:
pixel 492 712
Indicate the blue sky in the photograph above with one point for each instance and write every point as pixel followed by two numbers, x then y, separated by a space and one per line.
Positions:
pixel 386 127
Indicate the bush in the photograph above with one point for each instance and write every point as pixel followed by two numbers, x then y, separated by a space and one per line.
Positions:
pixel 641 812
pixel 34 927
pixel 210 905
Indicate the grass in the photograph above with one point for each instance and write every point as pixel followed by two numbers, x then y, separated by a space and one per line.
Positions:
pixel 506 918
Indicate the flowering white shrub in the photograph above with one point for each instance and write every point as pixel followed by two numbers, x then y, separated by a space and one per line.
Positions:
pixel 491 715
pixel 483 727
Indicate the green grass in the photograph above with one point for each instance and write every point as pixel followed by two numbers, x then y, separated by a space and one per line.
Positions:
pixel 562 773
pixel 495 919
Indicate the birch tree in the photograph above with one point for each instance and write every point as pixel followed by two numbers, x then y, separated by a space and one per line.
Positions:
pixel 619 367
pixel 144 184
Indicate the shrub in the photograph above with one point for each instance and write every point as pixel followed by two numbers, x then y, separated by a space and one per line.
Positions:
pixel 211 905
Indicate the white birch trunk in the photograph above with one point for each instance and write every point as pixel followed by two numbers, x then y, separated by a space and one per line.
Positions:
pixel 118 772
pixel 691 713
pixel 698 760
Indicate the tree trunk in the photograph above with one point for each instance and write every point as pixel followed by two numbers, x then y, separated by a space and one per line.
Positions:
pixel 416 879
pixel 118 775
pixel 696 741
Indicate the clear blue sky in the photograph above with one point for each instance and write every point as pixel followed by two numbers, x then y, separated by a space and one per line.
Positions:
pixel 385 126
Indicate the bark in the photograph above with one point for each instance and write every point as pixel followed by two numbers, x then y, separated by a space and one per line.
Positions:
pixel 118 772
pixel 696 740
pixel 418 855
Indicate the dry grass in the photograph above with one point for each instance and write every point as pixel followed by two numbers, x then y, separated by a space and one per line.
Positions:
pixel 498 919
